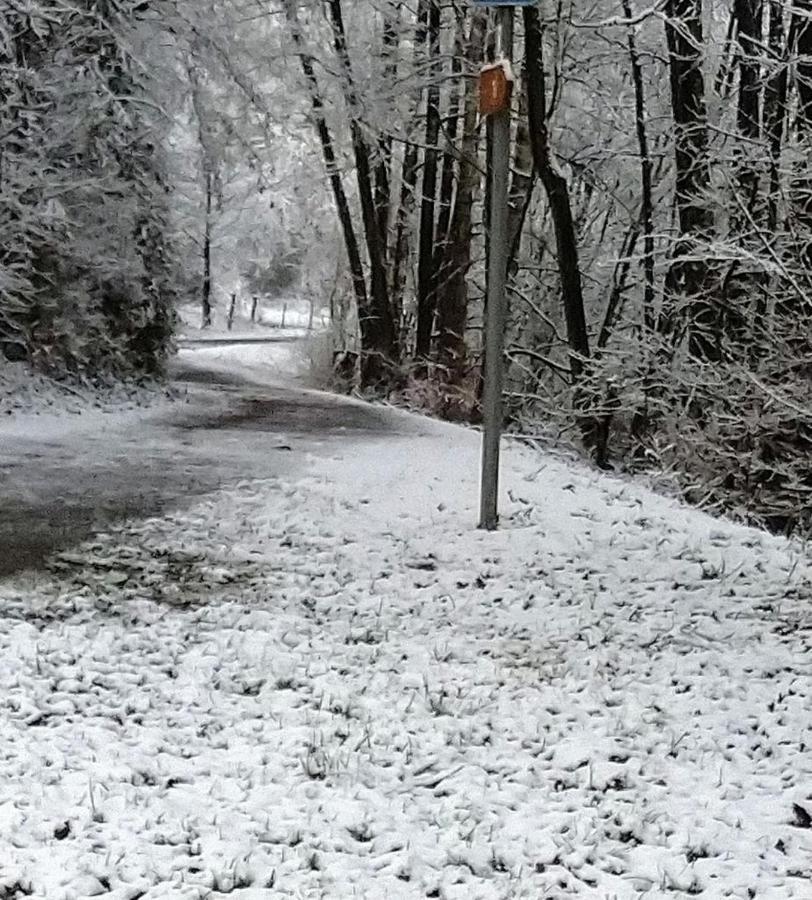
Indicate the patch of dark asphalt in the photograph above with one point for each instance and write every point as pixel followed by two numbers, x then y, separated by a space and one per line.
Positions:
pixel 51 502
pixel 190 375
pixel 56 496
pixel 227 341
pixel 295 413
pixel 263 408
pixel 30 533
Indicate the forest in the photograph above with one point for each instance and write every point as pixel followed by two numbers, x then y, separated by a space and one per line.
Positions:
pixel 155 153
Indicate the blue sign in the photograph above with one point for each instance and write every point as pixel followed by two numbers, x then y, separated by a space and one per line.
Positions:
pixel 504 2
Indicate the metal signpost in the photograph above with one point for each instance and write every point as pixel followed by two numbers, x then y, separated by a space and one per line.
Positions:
pixel 495 85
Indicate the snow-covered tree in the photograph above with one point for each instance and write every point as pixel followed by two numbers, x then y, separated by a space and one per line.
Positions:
pixel 86 275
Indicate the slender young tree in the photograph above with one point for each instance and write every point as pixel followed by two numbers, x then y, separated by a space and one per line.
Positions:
pixel 775 103
pixel 382 348
pixel 522 178
pixel 326 142
pixel 408 180
pixel 802 184
pixel 452 309
pixel 383 164
pixel 208 156
pixel 555 185
pixel 646 192
pixel 448 179
pixel 425 263
pixel 689 304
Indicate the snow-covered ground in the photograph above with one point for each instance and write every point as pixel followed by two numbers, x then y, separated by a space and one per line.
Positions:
pixel 277 363
pixel 333 686
pixel 25 394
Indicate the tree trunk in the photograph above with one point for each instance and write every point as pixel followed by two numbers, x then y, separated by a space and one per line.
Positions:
pixel 447 179
pixel 425 299
pixel 749 16
pixel 452 309
pixel 523 178
pixel 688 305
pixel 408 182
pixel 684 38
pixel 646 201
pixel 339 196
pixel 801 188
pixel 400 256
pixel 555 186
pixel 383 165
pixel 206 293
pixel 802 41
pixel 726 72
pixel 231 307
pixel 775 104
pixel 381 346
pixel 208 166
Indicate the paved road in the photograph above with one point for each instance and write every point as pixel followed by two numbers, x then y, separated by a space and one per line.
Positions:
pixel 247 339
pixel 59 490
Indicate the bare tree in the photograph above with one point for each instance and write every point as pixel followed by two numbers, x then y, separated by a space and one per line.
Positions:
pixel 555 185
pixel 689 306
pixel 425 264
pixel 381 346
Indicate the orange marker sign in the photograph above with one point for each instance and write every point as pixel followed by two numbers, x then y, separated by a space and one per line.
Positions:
pixel 495 90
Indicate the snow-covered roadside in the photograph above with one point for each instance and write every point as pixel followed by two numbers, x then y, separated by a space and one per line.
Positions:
pixel 275 363
pixel 336 687
pixel 33 405
pixel 26 397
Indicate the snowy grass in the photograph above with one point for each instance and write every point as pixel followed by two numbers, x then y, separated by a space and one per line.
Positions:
pixel 337 687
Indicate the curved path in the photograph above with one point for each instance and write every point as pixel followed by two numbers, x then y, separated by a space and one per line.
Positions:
pixel 63 486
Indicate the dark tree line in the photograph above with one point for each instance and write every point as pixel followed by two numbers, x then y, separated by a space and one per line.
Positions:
pixel 706 305
pixel 86 276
